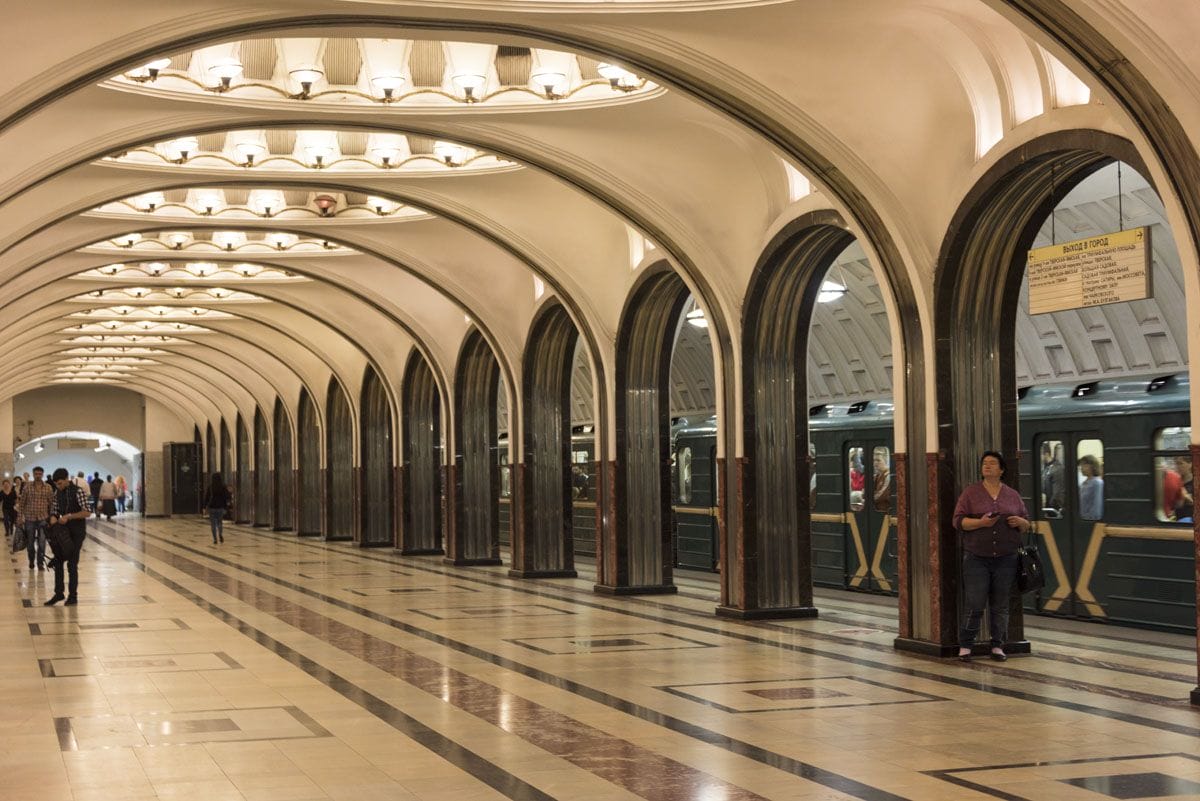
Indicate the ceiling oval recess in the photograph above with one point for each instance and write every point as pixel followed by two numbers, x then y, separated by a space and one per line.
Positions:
pixel 397 74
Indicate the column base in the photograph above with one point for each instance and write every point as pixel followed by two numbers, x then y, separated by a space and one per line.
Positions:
pixel 482 562
pixel 422 551
pixel 261 525
pixel 645 589
pixel 282 528
pixel 374 545
pixel 543 574
pixel 308 534
pixel 937 649
pixel 1196 697
pixel 338 538
pixel 780 613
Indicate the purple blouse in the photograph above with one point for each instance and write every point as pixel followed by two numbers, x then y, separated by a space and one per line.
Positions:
pixel 999 539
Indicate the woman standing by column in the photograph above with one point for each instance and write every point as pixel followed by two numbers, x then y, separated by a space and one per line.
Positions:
pixel 992 517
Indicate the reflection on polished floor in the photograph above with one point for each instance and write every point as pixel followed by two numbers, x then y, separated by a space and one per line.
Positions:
pixel 272 667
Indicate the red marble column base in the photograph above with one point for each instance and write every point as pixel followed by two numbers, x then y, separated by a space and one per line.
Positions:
pixel 780 613
pixel 422 551
pixel 1196 696
pixel 649 589
pixel 542 573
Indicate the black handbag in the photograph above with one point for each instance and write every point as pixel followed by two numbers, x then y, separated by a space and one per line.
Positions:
pixel 1031 576
pixel 20 540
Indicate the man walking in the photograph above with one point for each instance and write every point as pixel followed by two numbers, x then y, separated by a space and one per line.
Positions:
pixel 68 507
pixel 33 507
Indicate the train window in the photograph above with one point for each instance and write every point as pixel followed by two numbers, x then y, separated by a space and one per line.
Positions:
pixel 579 482
pixel 1173 438
pixel 1173 479
pixel 881 467
pixel 858 478
pixel 505 477
pixel 683 463
pixel 812 475
pixel 579 457
pixel 1052 479
pixel 1089 459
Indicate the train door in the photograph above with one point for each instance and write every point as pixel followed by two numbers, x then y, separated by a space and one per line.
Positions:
pixel 1069 504
pixel 695 503
pixel 870 531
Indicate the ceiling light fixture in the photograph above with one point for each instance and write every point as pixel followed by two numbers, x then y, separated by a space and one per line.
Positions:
pixel 248 151
pixel 156 268
pixel 38 448
pixel 325 204
pixel 388 83
pixel 228 240
pixel 618 77
pixel 179 149
pixel 150 201
pixel 696 317
pixel 450 154
pixel 225 70
pixel 128 240
pixel 551 82
pixel 306 76
pixel 282 241
pixel 382 206
pixel 469 84
pixel 149 71
pixel 177 239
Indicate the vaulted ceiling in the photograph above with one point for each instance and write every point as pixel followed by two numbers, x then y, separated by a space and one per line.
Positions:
pixel 219 205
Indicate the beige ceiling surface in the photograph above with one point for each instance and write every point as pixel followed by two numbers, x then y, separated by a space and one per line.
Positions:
pixel 525 151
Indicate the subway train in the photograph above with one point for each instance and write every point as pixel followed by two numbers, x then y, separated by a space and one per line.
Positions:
pixel 1105 471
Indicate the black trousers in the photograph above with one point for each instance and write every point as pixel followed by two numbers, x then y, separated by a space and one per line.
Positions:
pixel 72 565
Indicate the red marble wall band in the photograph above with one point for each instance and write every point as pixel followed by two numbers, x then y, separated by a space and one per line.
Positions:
pixel 729 568
pixel 402 533
pixel 522 554
pixel 943 550
pixel 397 507
pixel 450 510
pixel 606 524
pixel 357 515
pixel 900 471
pixel 324 482
pixel 296 496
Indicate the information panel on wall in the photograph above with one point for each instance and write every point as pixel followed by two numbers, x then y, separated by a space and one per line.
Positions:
pixel 1112 268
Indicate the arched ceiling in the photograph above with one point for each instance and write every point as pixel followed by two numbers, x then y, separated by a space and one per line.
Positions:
pixel 227 204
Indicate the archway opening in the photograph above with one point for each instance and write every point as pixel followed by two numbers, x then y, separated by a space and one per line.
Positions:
pixel 87 454
pixel 283 474
pixel 422 468
pixel 474 534
pixel 309 465
pixel 550 478
pixel 342 500
pixel 378 526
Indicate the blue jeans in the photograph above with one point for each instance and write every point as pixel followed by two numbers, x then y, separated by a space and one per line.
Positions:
pixel 987 580
pixel 35 530
pixel 216 518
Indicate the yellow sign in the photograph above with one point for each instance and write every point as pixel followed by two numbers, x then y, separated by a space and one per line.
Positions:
pixel 1112 268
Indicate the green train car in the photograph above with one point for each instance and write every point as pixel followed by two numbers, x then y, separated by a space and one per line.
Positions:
pixel 1105 470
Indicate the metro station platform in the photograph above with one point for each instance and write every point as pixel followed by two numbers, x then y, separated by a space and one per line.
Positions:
pixel 272 667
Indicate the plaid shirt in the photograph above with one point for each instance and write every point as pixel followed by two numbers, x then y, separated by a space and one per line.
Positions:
pixel 85 500
pixel 35 500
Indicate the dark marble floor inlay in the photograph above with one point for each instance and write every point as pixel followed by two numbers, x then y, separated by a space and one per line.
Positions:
pixel 1136 785
pixel 796 693
pixel 618 643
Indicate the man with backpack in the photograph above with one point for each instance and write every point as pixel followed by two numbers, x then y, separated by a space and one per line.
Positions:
pixel 69 511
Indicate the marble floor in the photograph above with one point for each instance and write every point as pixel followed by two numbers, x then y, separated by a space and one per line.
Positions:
pixel 272 667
